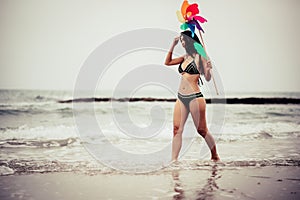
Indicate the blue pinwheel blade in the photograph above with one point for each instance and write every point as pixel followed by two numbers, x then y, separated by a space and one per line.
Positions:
pixel 192 28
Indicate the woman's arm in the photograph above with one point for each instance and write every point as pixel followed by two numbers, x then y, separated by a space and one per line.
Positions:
pixel 173 61
pixel 206 65
pixel 207 68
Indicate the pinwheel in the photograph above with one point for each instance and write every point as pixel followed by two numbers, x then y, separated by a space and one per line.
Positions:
pixel 189 17
pixel 190 20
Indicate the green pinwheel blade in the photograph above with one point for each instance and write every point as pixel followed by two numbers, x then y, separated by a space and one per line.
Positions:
pixel 184 26
pixel 200 50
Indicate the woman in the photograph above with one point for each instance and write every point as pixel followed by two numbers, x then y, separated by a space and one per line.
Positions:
pixel 190 98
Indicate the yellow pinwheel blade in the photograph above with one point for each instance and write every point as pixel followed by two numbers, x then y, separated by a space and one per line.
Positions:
pixel 179 16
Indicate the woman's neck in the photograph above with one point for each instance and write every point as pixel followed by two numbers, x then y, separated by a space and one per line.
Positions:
pixel 187 55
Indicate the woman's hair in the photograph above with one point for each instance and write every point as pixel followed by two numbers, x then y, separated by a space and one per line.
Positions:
pixel 189 45
pixel 189 41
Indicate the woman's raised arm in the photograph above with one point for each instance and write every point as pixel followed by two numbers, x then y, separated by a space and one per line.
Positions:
pixel 173 61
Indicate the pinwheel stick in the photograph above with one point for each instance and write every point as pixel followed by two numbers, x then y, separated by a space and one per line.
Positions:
pixel 209 58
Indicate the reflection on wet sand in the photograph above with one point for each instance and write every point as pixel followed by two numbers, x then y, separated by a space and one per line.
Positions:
pixel 179 192
pixel 207 191
pixel 211 186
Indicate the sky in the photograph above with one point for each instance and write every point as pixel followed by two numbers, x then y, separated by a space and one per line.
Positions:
pixel 254 44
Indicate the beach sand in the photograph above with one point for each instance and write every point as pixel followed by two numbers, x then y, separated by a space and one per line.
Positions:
pixel 213 182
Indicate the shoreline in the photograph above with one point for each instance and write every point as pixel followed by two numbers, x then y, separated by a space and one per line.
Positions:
pixel 248 100
pixel 269 182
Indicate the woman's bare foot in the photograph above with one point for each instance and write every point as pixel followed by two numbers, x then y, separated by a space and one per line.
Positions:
pixel 215 158
pixel 174 162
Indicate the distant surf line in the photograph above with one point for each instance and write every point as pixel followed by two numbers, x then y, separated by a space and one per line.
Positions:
pixel 248 100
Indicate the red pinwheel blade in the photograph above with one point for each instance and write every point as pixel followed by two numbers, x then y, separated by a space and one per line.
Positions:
pixel 193 8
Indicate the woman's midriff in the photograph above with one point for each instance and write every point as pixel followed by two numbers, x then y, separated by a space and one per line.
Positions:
pixel 189 84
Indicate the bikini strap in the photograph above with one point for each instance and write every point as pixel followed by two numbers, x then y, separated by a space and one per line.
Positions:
pixel 201 80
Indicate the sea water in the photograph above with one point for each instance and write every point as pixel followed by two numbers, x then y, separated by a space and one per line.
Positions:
pixel 39 134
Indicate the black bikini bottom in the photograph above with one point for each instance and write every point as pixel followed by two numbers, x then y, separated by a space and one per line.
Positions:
pixel 186 99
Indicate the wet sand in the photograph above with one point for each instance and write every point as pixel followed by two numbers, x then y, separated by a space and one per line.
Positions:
pixel 213 182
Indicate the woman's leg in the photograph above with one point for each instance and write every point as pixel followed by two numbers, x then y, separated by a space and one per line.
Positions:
pixel 198 112
pixel 179 118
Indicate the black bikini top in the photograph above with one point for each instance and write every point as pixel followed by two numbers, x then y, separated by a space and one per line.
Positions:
pixel 191 68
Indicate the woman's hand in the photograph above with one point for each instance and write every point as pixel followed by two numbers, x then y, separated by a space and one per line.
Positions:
pixel 173 61
pixel 209 65
pixel 176 40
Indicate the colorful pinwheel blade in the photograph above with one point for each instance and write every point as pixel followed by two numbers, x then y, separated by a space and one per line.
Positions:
pixel 196 23
pixel 200 50
pixel 200 19
pixel 192 28
pixel 184 26
pixel 184 6
pixel 179 16
pixel 193 8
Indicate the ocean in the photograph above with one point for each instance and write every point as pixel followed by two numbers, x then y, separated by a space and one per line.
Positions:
pixel 41 134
